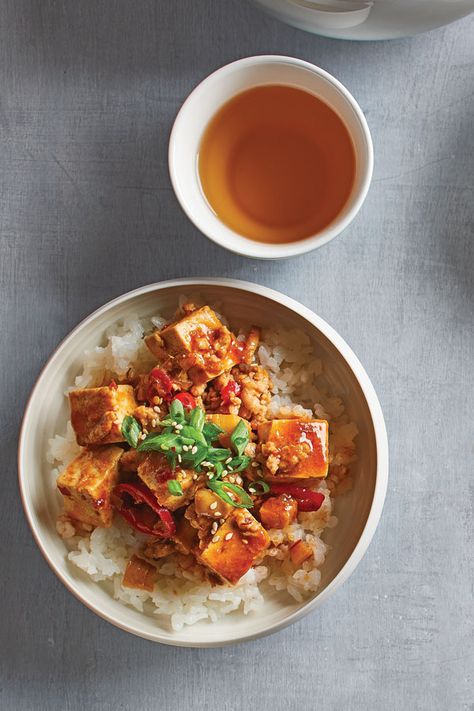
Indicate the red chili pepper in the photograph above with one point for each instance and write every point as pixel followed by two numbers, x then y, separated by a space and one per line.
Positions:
pixel 232 388
pixel 307 499
pixel 113 385
pixel 159 383
pixel 186 399
pixel 142 511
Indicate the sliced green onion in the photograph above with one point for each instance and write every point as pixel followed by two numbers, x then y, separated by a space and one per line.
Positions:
pixel 175 488
pixel 197 418
pixel 259 487
pixel 177 411
pixel 211 431
pixel 221 487
pixel 193 433
pixel 238 464
pixel 131 430
pixel 240 437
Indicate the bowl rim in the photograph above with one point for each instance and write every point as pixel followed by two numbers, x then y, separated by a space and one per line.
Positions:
pixel 381 444
pixel 244 246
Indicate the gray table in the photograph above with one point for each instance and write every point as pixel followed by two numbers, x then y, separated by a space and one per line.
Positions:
pixel 88 92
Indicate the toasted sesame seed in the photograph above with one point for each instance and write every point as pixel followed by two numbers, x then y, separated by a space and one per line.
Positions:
pixel 252 489
pixel 145 431
pixel 143 436
pixel 239 480
pixel 215 539
pixel 221 521
pixel 228 536
pixel 217 514
pixel 214 527
pixel 155 407
pixel 179 427
pixel 195 476
pixel 206 464
pixel 185 447
pixel 209 475
pixel 194 450
pixel 255 464
pixel 180 459
pixel 229 459
pixel 231 479
pixel 213 505
pixel 244 540
pixel 224 472
pixel 174 424
pixel 154 423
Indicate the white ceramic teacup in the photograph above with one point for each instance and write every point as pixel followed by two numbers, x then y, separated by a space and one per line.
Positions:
pixel 216 90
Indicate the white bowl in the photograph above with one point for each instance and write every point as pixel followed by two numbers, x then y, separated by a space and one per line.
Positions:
pixel 358 511
pixel 216 90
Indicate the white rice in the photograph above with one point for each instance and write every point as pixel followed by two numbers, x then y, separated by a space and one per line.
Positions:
pixel 300 388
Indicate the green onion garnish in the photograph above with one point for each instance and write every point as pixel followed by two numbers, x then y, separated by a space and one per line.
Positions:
pixel 240 437
pixel 131 430
pixel 222 487
pixel 259 487
pixel 175 488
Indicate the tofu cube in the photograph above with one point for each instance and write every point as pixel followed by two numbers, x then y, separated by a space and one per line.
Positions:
pixel 155 472
pixel 208 503
pixel 86 485
pixel 278 511
pixel 294 450
pixel 235 547
pixel 186 536
pixel 97 413
pixel 204 347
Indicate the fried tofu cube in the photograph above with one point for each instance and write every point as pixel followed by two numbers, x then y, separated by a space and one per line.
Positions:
pixel 208 503
pixel 86 485
pixel 155 472
pixel 228 423
pixel 204 347
pixel 179 337
pixel 97 413
pixel 235 547
pixel 186 536
pixel 155 345
pixel 139 574
pixel 294 450
pixel 278 511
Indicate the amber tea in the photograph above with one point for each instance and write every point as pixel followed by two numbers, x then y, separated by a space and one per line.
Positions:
pixel 276 164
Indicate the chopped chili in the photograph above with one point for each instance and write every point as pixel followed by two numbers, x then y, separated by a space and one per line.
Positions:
pixel 186 399
pixel 307 499
pixel 232 388
pixel 159 383
pixel 113 385
pixel 137 505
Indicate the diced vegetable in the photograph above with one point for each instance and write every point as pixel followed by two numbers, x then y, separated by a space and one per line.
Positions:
pixel 186 399
pixel 278 511
pixel 299 552
pixel 139 574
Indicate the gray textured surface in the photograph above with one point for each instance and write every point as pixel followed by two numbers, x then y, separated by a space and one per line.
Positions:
pixel 88 92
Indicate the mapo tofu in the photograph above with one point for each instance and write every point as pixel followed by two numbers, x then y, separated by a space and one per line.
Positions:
pixel 186 452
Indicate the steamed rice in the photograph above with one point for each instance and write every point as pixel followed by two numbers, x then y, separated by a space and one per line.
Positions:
pixel 299 389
